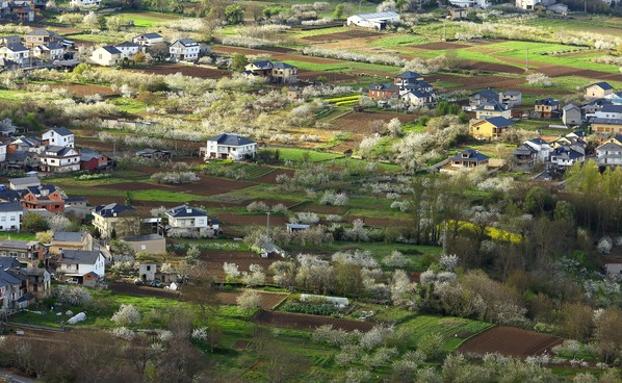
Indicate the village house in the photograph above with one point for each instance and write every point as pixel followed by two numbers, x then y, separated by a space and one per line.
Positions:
pixel 535 150
pixel 114 220
pixel 609 154
pixel 468 159
pixel 547 108
pixel 16 53
pixel 92 160
pixel 77 264
pixel 27 253
pixel 184 50
pixel 10 216
pixel 40 36
pixel 598 90
pixel 510 98
pixel 187 221
pixel 148 39
pixel 457 13
pixel 128 49
pixel 275 71
pixel 13 289
pixel 607 126
pixel 378 21
pixel 490 128
pixel 48 52
pixel 469 3
pixel 25 144
pixel 230 146
pixel 567 155
pixel 44 197
pixel 59 159
pixel 492 109
pixel 407 79
pixel 154 154
pixel 23 183
pixel 106 56
pixel 571 115
pixel 148 243
pixel 382 92
pixel 609 112
pixel 418 97
pixel 58 137
pixel 507 98
pixel 69 240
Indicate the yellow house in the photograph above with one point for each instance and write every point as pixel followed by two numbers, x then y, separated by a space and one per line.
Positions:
pixel 598 90
pixel 115 220
pixel 605 126
pixel 489 129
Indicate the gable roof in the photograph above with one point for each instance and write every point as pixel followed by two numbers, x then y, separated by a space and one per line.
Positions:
pixel 111 49
pixel 549 101
pixel 186 211
pixel 10 206
pixel 21 181
pixel 150 35
pixel 186 42
pixel 612 108
pixel 113 210
pixel 500 122
pixel 471 155
pixel 378 15
pixel 60 151
pixel 603 85
pixel 68 236
pixel 127 44
pixel 16 47
pixel 408 75
pixel 570 106
pixel 61 131
pixel 231 139
pixel 83 257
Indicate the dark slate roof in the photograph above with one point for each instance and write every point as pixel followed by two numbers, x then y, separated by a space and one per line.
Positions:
pixel 567 152
pixel 570 106
pixel 383 87
pixel 496 106
pixel 603 85
pixel 10 206
pixel 612 109
pixel 16 47
pixel 500 122
pixel 547 101
pixel 187 42
pixel 607 121
pixel 112 50
pixel 186 211
pixel 408 75
pixel 487 94
pixel 73 257
pixel 538 141
pixel 471 154
pixel 231 139
pixel 9 196
pixel 16 244
pixel 420 93
pixel 40 32
pixel 281 65
pixel 68 236
pixel 52 46
pixel 150 35
pixel 150 151
pixel 39 190
pixel 609 146
pixel 8 278
pixel 62 131
pixel 58 151
pixel 113 210
pixel 8 263
pixel 69 200
pixel 524 150
pixel 263 64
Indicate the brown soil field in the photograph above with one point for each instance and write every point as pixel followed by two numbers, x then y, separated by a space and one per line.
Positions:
pixel 440 45
pixel 130 289
pixel 82 90
pixel 510 341
pixel 268 301
pixel 491 67
pixel 321 209
pixel 306 322
pixel 557 71
pixel 339 36
pixel 243 259
pixel 192 71
pixel 361 122
pixel 131 186
pixel 275 55
pixel 208 185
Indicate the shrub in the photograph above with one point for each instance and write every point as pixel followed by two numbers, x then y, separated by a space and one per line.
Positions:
pixel 72 295
pixel 257 207
pixel 126 315
pixel 249 299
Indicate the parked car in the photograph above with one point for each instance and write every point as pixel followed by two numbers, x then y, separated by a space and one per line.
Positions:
pixel 156 283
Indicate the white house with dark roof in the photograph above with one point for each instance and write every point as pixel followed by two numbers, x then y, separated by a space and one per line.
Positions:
pixel 16 53
pixel 609 154
pixel 184 50
pixel 10 216
pixel 378 21
pixel 230 146
pixel 609 112
pixel 148 39
pixel 117 219
pixel 59 159
pixel 58 137
pixel 128 49
pixel 106 56
pixel 78 263
pixel 49 51
pixel 185 220
pixel 84 3
pixel 23 183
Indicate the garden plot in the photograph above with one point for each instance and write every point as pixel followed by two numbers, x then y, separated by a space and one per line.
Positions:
pixel 191 71
pixel 308 322
pixel 510 341
pixel 341 36
pixel 215 259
